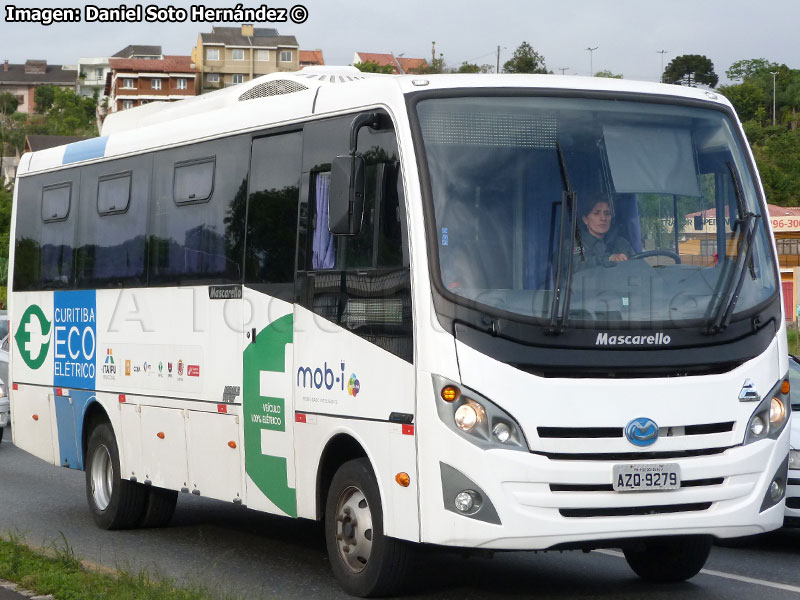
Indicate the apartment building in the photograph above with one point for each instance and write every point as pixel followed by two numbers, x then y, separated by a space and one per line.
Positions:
pixel 231 55
pixel 92 73
pixel 141 74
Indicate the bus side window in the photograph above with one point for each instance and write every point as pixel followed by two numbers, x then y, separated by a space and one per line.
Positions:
pixel 197 213
pixel 112 223
pixel 45 231
pixel 272 214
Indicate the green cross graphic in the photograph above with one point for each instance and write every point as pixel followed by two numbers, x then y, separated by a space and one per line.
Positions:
pixel 33 336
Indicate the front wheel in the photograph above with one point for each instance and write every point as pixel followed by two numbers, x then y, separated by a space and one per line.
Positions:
pixel 364 560
pixel 115 503
pixel 668 558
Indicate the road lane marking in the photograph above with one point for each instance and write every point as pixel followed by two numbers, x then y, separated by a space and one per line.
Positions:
pixel 742 578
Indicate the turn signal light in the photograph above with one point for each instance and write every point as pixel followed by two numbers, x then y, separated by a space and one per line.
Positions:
pixel 160 435
pixel 785 387
pixel 232 444
pixel 402 479
pixel 450 393
pixel 35 417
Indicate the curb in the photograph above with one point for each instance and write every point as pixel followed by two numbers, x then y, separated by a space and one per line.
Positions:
pixel 10 590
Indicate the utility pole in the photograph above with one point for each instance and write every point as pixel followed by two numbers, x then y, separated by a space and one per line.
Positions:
pixel 662 53
pixel 773 73
pixel 562 69
pixel 591 57
pixel 497 70
pixel 433 53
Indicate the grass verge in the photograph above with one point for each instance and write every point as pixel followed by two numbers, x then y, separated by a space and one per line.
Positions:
pixel 791 337
pixel 58 571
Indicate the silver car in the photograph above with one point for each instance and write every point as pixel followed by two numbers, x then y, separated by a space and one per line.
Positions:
pixel 5 410
pixel 792 515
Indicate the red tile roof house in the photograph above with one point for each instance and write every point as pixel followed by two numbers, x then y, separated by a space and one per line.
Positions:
pixel 311 58
pixel 399 65
pixel 22 80
pixel 137 81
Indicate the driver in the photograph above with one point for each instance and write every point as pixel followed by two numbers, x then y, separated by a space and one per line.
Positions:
pixel 597 244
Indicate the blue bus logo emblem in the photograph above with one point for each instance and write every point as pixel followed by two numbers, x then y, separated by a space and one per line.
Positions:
pixel 641 432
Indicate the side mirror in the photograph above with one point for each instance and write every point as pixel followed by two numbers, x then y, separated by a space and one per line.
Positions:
pixel 346 195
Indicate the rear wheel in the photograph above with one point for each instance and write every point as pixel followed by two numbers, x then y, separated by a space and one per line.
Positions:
pixel 159 507
pixel 668 558
pixel 364 560
pixel 115 503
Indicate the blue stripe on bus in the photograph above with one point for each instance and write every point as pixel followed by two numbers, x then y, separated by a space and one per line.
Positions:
pixel 85 150
pixel 70 411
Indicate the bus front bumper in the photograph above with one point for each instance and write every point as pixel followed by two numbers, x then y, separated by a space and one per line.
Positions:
pixel 533 502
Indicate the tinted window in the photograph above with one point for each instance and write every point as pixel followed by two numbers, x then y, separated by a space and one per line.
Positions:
pixel 272 213
pixel 55 202
pixel 360 282
pixel 112 223
pixel 113 193
pixel 43 256
pixel 194 180
pixel 194 240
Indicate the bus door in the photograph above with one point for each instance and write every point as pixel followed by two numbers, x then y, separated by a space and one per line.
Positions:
pixel 268 326
pixel 353 320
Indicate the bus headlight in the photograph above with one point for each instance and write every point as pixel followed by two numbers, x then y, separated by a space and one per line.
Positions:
pixel 467 416
pixel 770 416
pixel 476 418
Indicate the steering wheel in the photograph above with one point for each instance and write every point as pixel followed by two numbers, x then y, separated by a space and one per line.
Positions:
pixel 668 253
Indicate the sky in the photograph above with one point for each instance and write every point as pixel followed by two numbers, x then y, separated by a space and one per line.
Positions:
pixel 627 34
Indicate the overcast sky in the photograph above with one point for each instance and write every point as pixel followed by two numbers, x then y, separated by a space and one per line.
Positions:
pixel 627 33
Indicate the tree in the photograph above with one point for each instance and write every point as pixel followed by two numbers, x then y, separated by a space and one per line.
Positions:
pixel 43 97
pixel 525 60
pixel 468 68
pixel 691 69
pixel 437 65
pixel 71 114
pixel 742 70
pixel 370 66
pixel 746 98
pixel 8 103
pixel 608 74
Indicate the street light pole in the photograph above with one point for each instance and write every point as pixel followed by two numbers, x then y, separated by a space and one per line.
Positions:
pixel 591 56
pixel 662 53
pixel 773 73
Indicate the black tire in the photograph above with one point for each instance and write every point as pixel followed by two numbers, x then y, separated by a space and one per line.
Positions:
pixel 159 507
pixel 115 503
pixel 2 429
pixel 375 564
pixel 668 559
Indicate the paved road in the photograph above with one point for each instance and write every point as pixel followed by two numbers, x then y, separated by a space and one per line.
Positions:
pixel 241 553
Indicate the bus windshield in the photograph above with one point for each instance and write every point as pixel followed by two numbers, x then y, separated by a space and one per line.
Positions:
pixel 591 211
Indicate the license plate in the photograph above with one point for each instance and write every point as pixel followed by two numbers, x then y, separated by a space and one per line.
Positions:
pixel 646 478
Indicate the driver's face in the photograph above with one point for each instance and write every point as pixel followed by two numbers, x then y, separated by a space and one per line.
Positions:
pixel 598 221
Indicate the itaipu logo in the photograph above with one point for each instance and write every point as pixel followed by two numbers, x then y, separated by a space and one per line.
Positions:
pixel 33 336
pixel 641 432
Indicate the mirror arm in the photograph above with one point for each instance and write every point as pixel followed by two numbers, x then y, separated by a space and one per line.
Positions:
pixel 371 119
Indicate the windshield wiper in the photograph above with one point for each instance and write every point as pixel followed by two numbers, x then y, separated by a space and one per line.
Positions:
pixel 748 224
pixel 569 203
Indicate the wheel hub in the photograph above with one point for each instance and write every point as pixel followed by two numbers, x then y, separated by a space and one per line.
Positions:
pixel 102 477
pixel 354 529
